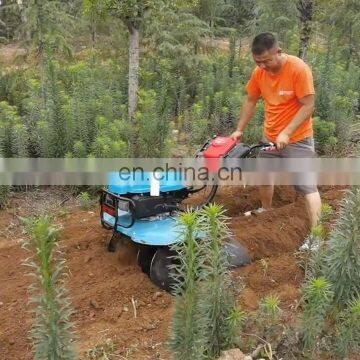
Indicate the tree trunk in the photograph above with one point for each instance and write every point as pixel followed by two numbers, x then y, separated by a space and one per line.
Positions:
pixel 232 54
pixel 134 57
pixel 93 31
pixel 305 8
pixel 349 58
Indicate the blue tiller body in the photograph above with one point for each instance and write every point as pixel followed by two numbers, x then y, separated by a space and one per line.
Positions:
pixel 132 209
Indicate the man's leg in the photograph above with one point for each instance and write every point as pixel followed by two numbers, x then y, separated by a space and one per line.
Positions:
pixel 313 207
pixel 305 183
pixel 266 195
pixel 266 192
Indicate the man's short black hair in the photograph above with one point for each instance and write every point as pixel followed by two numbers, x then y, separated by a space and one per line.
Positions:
pixel 263 42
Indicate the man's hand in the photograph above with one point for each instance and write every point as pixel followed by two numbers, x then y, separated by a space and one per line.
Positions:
pixel 282 140
pixel 237 135
pixel 246 114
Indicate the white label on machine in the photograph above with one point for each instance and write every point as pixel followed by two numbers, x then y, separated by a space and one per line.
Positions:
pixel 154 184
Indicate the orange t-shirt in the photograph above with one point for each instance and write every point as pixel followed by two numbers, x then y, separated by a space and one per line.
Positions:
pixel 281 93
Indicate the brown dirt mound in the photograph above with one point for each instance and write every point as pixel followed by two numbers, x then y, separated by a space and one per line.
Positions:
pixel 114 300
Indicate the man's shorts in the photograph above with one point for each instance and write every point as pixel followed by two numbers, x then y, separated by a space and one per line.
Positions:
pixel 301 149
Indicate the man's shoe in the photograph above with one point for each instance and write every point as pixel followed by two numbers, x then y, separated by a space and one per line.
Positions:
pixel 255 212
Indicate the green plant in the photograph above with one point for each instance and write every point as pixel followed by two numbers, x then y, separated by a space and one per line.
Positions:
pixel 207 318
pixel 85 200
pixel 103 351
pixel 317 297
pixel 217 302
pixel 267 320
pixel 343 258
pixel 315 265
pixel 349 329
pixel 52 332
pixel 269 306
pixel 325 136
pixel 153 126
pixel 319 232
pixel 59 121
pixel 13 138
pixel 326 212
pixel 187 341
pixel 4 195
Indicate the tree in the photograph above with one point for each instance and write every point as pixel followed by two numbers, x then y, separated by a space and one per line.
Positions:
pixel 10 19
pixel 278 16
pixel 211 11
pixel 95 11
pixel 46 23
pixel 133 14
pixel 305 9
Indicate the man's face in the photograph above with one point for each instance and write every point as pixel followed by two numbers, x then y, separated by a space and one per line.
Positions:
pixel 270 60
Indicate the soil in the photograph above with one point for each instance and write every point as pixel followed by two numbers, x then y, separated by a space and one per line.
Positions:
pixel 115 303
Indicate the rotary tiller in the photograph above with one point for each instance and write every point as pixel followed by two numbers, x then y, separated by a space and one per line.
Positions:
pixel 129 210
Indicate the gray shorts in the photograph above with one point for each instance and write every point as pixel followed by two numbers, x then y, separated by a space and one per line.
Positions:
pixel 301 149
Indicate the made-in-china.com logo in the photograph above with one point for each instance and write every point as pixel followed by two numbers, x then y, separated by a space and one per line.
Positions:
pixel 286 92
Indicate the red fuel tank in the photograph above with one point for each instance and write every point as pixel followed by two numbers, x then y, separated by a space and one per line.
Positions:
pixel 217 149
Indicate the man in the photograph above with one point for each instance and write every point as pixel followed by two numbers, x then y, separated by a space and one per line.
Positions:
pixel 285 83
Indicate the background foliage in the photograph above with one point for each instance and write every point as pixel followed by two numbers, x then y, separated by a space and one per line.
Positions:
pixel 69 95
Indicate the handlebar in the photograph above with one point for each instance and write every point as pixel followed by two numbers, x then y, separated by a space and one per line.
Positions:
pixel 264 146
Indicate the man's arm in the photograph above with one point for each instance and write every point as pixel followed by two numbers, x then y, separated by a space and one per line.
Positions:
pixel 247 112
pixel 306 110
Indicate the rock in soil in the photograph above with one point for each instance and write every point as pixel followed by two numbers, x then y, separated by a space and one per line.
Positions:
pixel 234 354
pixel 94 304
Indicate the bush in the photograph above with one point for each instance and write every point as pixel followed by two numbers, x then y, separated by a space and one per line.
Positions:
pixel 324 132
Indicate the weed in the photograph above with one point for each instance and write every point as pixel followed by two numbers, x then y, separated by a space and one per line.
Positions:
pixel 103 351
pixel 264 266
pixel 85 200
